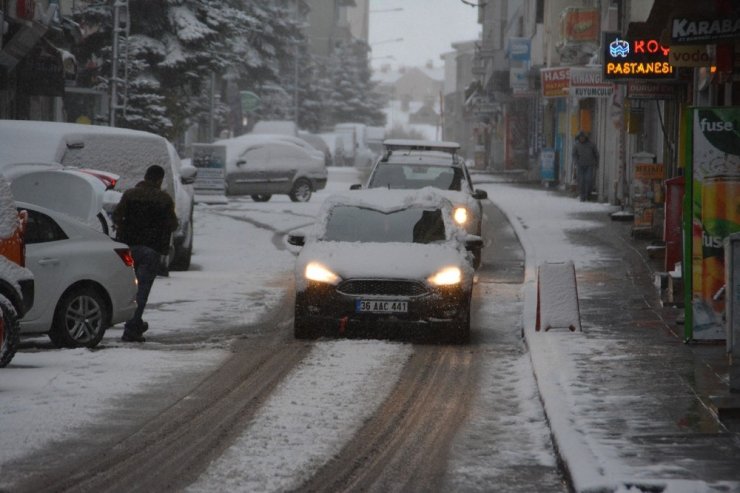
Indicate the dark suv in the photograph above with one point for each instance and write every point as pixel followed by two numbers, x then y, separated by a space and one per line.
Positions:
pixel 415 164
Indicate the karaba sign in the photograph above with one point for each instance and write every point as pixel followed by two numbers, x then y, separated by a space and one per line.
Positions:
pixel 706 30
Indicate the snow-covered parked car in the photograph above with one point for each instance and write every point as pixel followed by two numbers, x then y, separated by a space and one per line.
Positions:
pixel 16 282
pixel 124 152
pixel 384 262
pixel 265 165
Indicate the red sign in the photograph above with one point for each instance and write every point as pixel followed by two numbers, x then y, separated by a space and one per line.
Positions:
pixel 580 25
pixel 555 82
pixel 24 9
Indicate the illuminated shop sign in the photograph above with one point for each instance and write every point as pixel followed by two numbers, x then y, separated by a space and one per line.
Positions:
pixel 635 58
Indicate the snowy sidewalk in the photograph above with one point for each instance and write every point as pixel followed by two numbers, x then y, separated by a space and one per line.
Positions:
pixel 624 396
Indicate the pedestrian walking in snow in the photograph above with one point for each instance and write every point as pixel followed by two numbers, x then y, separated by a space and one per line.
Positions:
pixel 585 159
pixel 145 219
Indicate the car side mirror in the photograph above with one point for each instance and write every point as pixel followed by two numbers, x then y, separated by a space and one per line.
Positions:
pixel 473 242
pixel 480 194
pixel 188 174
pixel 297 238
pixel 241 162
pixel 356 186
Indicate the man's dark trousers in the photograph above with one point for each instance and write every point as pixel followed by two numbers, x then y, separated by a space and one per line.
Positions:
pixel 585 181
pixel 146 266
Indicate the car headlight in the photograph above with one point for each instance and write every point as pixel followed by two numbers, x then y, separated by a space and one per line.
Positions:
pixel 460 215
pixel 447 277
pixel 317 272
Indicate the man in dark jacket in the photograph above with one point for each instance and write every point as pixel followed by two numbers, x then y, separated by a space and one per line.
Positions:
pixel 145 219
pixel 586 159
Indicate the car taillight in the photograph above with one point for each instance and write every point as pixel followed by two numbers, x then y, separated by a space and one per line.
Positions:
pixel 125 255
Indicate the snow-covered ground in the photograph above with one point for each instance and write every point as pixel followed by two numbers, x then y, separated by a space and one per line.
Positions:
pixel 238 275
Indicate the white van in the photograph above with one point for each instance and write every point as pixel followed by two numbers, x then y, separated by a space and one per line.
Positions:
pixel 127 153
pixel 356 151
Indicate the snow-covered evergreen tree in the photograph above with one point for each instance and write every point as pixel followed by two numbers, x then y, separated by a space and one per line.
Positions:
pixel 352 96
pixel 175 46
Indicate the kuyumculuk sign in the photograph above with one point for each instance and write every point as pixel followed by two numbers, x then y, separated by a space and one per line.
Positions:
pixel 714 213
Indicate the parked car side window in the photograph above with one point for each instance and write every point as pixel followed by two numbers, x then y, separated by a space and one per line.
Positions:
pixel 254 155
pixel 287 155
pixel 41 229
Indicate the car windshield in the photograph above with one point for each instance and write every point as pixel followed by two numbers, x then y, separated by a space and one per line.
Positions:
pixel 410 176
pixel 413 225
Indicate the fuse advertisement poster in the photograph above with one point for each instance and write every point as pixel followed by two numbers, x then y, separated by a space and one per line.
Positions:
pixel 714 213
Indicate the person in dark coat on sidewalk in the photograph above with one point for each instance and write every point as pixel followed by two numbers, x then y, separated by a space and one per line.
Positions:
pixel 586 159
pixel 145 219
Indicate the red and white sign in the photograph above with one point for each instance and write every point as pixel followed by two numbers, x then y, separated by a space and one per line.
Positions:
pixel 555 82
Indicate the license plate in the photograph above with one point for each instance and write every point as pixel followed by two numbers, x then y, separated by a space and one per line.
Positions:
pixel 381 306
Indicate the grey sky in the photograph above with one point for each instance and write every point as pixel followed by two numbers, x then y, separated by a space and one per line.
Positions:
pixel 426 26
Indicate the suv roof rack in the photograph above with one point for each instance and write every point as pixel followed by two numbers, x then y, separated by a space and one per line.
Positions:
pixel 390 145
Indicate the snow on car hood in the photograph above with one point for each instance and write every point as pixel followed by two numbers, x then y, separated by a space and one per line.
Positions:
pixel 382 260
pixel 460 199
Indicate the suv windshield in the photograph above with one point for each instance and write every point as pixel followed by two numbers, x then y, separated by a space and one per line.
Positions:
pixel 414 225
pixel 414 176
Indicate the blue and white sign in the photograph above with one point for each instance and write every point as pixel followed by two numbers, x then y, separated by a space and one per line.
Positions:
pixel 519 49
pixel 547 165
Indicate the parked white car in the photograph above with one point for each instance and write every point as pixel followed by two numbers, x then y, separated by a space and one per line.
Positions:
pixel 264 165
pixel 127 153
pixel 84 280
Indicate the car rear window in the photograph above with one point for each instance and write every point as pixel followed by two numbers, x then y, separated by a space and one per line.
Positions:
pixel 414 177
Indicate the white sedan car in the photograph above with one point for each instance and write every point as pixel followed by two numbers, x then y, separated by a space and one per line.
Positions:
pixel 84 280
pixel 384 262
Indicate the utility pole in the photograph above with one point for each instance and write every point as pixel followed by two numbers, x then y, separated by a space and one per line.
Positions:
pixel 295 84
pixel 121 29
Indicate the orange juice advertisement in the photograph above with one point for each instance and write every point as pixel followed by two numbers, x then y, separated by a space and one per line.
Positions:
pixel 715 213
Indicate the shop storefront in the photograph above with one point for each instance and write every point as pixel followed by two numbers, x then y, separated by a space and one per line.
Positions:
pixel 34 63
pixel 576 98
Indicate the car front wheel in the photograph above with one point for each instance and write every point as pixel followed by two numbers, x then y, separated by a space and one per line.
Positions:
pixel 81 319
pixel 301 191
pixel 8 331
pixel 183 254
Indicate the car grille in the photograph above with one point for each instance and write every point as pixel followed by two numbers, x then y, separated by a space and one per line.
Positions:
pixel 382 287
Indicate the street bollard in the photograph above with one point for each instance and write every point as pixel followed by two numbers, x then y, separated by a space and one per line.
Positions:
pixel 557 297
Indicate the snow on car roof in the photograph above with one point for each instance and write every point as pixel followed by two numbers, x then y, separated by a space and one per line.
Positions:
pixel 421 145
pixel 237 145
pixel 429 158
pixel 26 140
pixel 105 148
